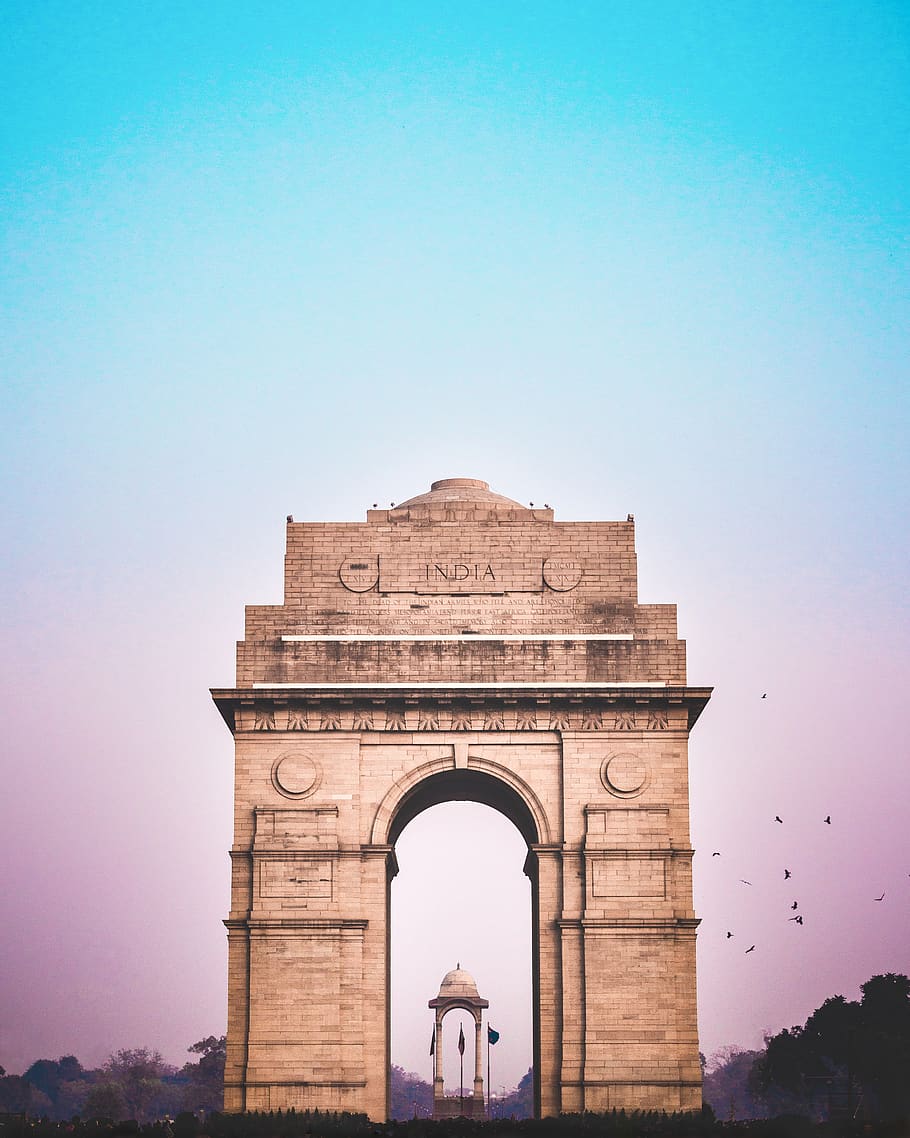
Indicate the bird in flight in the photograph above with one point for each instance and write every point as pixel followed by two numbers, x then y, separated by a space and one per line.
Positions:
pixel 787 875
pixel 729 934
pixel 795 905
pixel 777 818
pixel 828 820
pixel 764 695
pixel 752 949
pixel 716 853
pixel 798 919
pixel 880 898
pixel 743 880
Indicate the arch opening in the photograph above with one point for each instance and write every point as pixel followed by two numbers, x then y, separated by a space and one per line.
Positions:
pixel 458 1069
pixel 461 896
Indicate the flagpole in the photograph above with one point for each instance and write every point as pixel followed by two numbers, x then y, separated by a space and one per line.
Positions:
pixel 461 1049
pixel 490 1041
pixel 489 1084
pixel 433 1071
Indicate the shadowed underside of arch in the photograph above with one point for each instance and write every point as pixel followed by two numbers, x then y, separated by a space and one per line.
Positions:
pixel 464 786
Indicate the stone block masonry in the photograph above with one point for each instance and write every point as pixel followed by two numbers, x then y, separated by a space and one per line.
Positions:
pixel 461 646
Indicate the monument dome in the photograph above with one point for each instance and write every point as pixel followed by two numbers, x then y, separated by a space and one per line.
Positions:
pixel 464 490
pixel 458 983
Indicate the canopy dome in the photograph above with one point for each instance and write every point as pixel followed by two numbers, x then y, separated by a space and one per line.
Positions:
pixel 458 983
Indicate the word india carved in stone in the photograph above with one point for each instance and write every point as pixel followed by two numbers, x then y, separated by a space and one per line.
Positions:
pixel 456 572
pixel 461 646
pixel 465 574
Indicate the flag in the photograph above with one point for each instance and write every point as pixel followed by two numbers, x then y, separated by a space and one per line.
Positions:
pixel 461 1040
pixel 433 1041
pixel 492 1036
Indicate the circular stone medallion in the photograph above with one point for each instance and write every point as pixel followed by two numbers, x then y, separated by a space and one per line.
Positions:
pixel 561 574
pixel 295 775
pixel 624 775
pixel 359 574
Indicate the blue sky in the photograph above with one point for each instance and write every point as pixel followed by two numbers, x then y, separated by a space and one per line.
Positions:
pixel 261 259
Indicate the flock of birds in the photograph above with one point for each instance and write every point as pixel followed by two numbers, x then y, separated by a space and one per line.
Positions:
pixel 797 917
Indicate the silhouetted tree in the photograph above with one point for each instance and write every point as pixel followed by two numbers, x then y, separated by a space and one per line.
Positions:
pixel 18 1096
pixel 48 1074
pixel 727 1086
pixel 205 1079
pixel 518 1103
pixel 882 1057
pixel 64 1083
pixel 105 1100
pixel 410 1095
pixel 146 1083
pixel 849 1057
pixel 71 1097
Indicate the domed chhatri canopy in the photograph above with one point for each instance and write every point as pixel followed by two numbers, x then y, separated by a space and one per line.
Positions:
pixel 471 491
pixel 458 990
pixel 458 983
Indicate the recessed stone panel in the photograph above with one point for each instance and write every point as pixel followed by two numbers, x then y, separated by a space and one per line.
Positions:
pixel 301 881
pixel 628 877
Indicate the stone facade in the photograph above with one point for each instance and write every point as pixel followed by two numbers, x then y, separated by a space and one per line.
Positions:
pixel 461 646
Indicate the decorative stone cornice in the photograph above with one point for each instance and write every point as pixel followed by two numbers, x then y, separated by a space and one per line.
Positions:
pixel 476 708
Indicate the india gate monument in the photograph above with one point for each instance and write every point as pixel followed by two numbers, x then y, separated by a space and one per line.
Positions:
pixel 461 646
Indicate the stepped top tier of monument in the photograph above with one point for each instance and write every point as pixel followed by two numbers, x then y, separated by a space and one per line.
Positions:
pixel 460 585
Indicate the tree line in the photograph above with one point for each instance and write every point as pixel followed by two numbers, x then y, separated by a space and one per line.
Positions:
pixel 138 1084
pixel 412 1097
pixel 850 1060
pixel 135 1084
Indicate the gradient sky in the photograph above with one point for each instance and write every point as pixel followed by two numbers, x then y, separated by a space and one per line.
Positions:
pixel 261 259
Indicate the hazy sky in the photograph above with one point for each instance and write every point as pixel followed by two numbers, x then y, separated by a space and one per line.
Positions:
pixel 261 259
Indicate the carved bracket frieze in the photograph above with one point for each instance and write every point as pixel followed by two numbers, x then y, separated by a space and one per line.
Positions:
pixel 433 715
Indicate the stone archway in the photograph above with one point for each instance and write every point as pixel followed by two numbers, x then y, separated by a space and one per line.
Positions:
pixel 487 781
pixel 461 646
